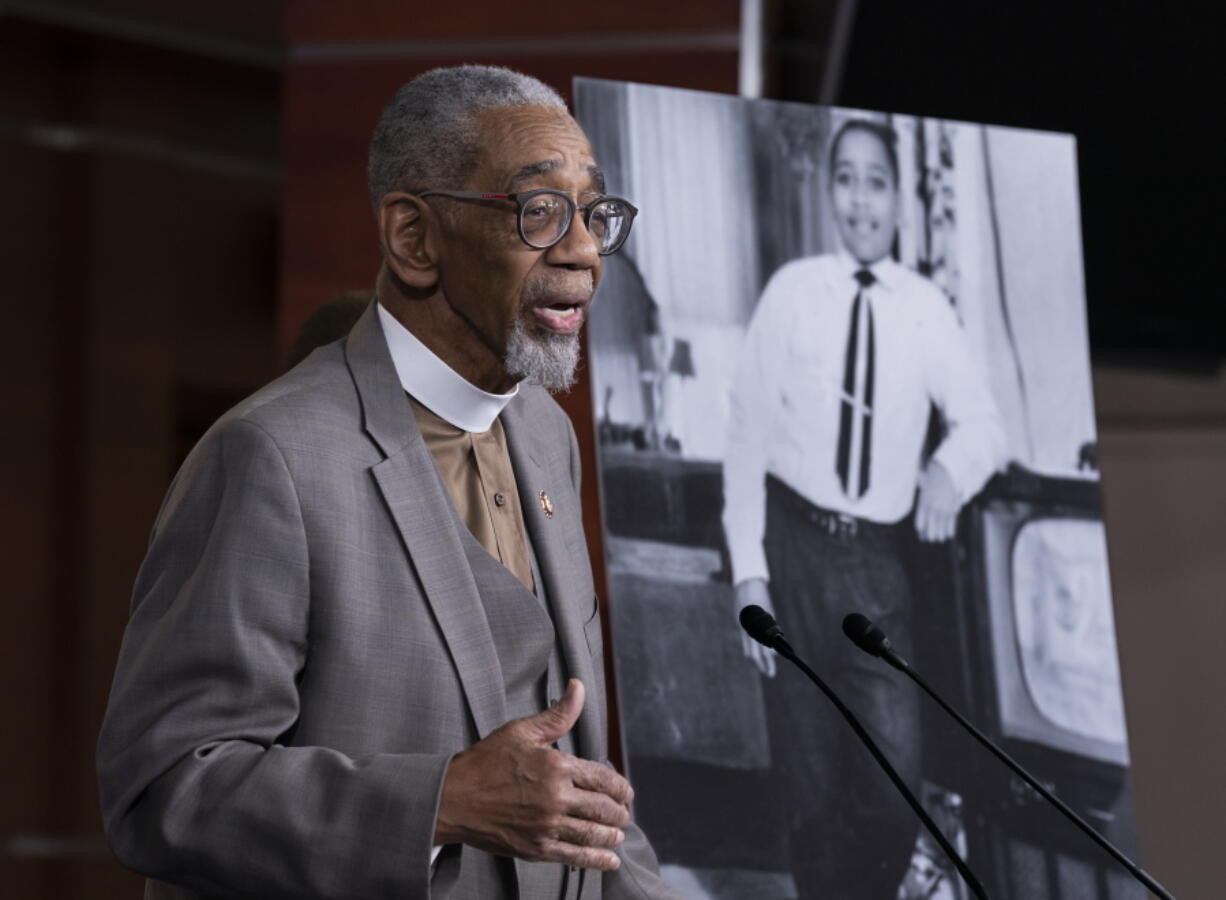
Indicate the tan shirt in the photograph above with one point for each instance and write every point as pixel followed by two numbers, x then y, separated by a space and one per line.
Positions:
pixel 476 468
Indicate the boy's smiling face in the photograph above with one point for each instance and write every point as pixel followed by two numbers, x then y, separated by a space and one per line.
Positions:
pixel 865 195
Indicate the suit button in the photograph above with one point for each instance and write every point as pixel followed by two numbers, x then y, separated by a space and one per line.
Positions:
pixel 500 499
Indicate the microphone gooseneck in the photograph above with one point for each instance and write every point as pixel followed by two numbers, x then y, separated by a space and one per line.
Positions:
pixel 872 640
pixel 762 627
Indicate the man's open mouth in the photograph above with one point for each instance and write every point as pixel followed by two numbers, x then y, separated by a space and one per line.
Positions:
pixel 564 317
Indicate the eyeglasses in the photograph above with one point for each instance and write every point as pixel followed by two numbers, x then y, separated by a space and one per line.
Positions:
pixel 545 216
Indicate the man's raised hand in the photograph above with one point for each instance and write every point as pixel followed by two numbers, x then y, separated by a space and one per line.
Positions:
pixel 514 794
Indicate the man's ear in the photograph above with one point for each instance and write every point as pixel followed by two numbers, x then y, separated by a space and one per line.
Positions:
pixel 408 230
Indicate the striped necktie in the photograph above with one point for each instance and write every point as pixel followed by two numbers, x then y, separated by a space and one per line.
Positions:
pixel 856 408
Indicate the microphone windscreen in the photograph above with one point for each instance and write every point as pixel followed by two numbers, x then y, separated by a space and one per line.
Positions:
pixel 760 625
pixel 864 634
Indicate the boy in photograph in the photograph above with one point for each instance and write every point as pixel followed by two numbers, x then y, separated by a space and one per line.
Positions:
pixel 844 358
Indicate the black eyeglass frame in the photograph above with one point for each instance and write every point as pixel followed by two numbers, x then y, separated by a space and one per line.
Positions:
pixel 523 197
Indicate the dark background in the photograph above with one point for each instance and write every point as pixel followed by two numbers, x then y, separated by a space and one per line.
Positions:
pixel 1131 80
pixel 182 184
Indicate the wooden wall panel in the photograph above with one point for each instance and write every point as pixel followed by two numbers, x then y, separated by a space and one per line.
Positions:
pixel 324 21
pixel 133 270
pixel 223 20
pixel 46 259
pixel 28 395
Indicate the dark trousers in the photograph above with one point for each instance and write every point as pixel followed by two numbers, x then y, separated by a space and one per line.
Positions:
pixel 851 833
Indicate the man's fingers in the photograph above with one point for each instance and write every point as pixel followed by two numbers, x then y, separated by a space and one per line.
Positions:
pixel 594 778
pixel 597 808
pixel 576 855
pixel 548 726
pixel 584 833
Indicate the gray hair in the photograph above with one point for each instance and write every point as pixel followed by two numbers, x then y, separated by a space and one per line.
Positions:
pixel 427 135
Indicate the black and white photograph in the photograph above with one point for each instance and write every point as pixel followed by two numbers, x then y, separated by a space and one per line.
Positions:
pixel 842 367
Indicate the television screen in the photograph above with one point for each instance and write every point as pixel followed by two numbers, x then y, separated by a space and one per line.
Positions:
pixel 1065 629
pixel 1057 671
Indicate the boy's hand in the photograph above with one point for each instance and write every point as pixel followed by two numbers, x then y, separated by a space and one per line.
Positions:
pixel 936 512
pixel 754 592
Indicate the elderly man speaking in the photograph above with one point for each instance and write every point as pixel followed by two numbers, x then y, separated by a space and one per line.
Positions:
pixel 364 655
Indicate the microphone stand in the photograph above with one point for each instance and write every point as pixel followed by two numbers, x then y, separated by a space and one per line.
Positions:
pixel 903 666
pixel 781 646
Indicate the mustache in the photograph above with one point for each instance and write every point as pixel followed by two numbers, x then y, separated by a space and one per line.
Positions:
pixel 555 284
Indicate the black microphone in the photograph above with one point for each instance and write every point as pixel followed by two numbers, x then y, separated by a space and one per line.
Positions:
pixel 762 627
pixel 872 640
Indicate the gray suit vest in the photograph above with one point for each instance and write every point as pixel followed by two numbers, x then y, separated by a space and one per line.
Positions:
pixel 533 674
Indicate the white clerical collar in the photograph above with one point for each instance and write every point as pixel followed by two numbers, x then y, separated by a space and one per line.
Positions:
pixel 885 270
pixel 437 386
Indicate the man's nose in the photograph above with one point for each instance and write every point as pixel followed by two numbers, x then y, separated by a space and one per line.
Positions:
pixel 578 247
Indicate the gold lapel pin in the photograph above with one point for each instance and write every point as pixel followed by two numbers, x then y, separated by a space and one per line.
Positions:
pixel 546 505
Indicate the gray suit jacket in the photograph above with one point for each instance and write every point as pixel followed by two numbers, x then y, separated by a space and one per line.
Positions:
pixel 307 649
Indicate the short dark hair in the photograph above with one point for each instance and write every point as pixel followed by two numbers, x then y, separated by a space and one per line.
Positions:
pixel 884 133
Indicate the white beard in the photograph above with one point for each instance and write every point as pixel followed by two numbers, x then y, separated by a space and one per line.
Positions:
pixel 542 358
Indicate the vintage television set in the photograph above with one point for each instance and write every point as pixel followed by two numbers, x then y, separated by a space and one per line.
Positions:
pixel 1027 647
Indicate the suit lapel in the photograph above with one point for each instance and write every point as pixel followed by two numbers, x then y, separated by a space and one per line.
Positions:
pixel 560 547
pixel 421 509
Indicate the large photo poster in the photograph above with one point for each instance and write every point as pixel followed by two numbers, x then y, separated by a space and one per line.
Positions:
pixel 842 366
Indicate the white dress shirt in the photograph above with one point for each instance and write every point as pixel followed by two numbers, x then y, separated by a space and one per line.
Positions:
pixel 785 408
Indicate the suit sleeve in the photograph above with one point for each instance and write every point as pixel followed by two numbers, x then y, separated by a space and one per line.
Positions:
pixel 196 787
